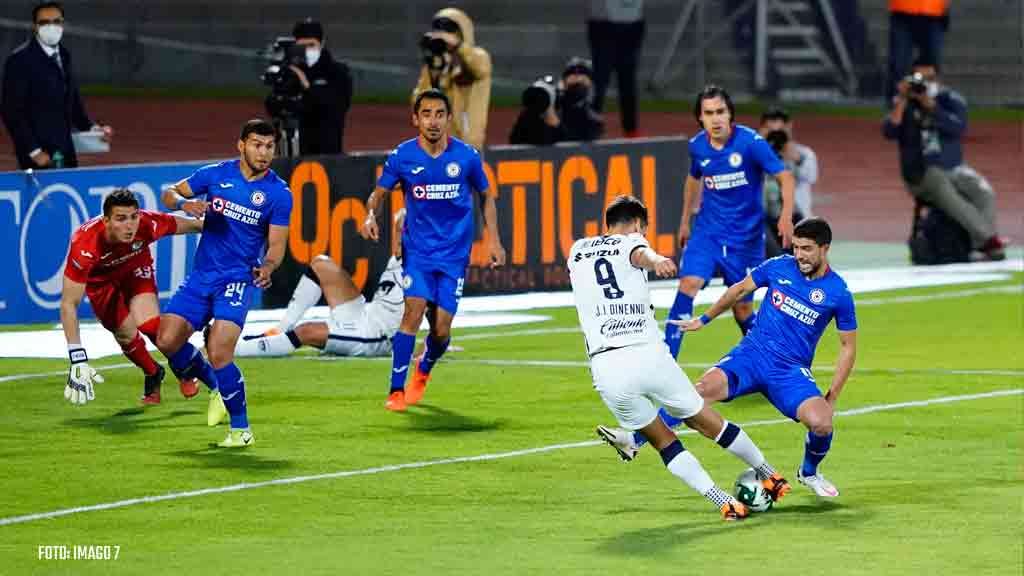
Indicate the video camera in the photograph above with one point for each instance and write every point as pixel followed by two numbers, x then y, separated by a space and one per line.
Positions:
pixel 540 95
pixel 285 88
pixel 433 48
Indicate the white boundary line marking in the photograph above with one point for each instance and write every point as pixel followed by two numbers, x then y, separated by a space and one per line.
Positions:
pixel 1009 289
pixel 457 460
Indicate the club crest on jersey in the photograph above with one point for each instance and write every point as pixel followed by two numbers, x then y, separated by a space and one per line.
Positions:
pixel 258 198
pixel 406 281
pixel 137 244
pixel 777 298
pixel 735 159
pixel 452 170
pixel 217 204
pixel 817 296
pixel 419 192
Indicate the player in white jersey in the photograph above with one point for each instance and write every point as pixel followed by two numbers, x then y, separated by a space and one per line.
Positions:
pixel 355 327
pixel 630 363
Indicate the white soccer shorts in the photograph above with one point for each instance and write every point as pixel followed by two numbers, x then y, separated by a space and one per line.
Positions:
pixel 352 333
pixel 635 381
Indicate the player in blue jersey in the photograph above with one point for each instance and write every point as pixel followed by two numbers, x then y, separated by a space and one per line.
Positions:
pixel 246 211
pixel 804 296
pixel 727 167
pixel 438 175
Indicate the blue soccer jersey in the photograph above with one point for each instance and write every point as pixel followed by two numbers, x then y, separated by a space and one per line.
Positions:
pixel 235 232
pixel 239 216
pixel 732 210
pixel 796 311
pixel 439 221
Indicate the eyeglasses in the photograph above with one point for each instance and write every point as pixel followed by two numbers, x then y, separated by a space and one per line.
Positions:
pixel 50 21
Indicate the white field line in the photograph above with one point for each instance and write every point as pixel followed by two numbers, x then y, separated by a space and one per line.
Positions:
pixel 1007 289
pixel 457 460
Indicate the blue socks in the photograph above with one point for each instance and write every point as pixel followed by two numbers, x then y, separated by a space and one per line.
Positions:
pixel 433 353
pixel 402 345
pixel 232 391
pixel 188 362
pixel 682 309
pixel 669 420
pixel 814 452
pixel 746 325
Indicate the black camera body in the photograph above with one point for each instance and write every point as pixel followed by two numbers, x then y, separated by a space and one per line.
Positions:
pixel 433 50
pixel 777 139
pixel 541 95
pixel 916 83
pixel 285 88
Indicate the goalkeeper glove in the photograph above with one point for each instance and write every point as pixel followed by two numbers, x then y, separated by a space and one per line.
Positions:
pixel 80 377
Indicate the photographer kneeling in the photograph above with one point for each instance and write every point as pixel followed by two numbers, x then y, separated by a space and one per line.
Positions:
pixel 564 113
pixel 538 123
pixel 326 92
pixel 928 120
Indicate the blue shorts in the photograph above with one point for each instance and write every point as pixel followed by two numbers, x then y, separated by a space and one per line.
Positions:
pixel 203 297
pixel 439 283
pixel 786 386
pixel 703 257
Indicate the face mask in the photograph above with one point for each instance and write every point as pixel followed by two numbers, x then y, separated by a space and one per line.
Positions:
pixel 933 89
pixel 312 56
pixel 50 34
pixel 576 93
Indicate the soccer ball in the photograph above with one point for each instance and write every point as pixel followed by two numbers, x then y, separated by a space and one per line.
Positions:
pixel 751 492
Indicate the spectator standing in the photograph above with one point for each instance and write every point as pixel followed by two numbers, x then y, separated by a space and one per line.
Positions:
pixel 615 31
pixel 41 101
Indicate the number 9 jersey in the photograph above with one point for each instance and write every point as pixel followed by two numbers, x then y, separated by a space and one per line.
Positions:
pixel 611 295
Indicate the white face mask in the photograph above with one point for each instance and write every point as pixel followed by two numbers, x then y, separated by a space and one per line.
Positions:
pixel 50 34
pixel 933 89
pixel 312 56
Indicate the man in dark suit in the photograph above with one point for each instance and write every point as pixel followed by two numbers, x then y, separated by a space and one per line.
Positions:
pixel 41 103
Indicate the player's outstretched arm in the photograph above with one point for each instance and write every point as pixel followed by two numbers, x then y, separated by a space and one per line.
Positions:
pixel 188 225
pixel 690 191
pixel 180 197
pixel 81 376
pixel 396 233
pixel 787 184
pixel 844 365
pixel 491 222
pixel 70 297
pixel 277 239
pixel 726 302
pixel 370 229
pixel 648 259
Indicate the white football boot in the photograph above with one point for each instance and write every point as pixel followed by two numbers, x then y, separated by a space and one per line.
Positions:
pixel 621 440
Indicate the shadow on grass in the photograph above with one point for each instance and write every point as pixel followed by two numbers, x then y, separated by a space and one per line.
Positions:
pixel 213 457
pixel 132 420
pixel 661 539
pixel 427 418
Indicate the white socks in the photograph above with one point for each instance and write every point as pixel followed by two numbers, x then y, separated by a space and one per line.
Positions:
pixel 306 294
pixel 276 345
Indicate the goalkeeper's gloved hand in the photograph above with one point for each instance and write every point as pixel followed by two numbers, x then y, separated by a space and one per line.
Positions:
pixel 80 377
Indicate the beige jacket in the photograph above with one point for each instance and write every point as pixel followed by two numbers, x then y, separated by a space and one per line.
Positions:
pixel 466 81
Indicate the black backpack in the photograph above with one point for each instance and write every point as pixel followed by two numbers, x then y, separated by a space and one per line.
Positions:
pixel 935 238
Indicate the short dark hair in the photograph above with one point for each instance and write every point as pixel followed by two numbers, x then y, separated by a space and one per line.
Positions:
pixel 44 5
pixel 119 197
pixel 257 126
pixel 308 28
pixel 814 228
pixel 774 113
pixel 713 91
pixel 623 210
pixel 432 94
pixel 925 60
